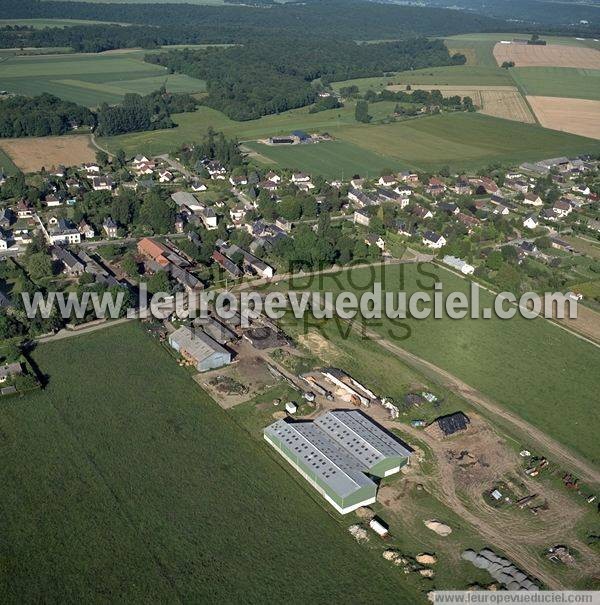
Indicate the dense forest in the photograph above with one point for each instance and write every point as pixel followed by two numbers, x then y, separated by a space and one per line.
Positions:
pixel 41 116
pixel 137 112
pixel 46 114
pixel 275 75
pixel 188 23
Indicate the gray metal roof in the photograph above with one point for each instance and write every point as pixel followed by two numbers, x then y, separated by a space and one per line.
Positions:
pixel 361 437
pixel 198 344
pixel 317 451
pixel 339 447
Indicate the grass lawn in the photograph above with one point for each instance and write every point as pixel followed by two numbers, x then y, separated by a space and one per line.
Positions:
pixel 90 79
pixel 558 82
pixel 124 482
pixel 7 166
pixel 526 365
pixel 334 159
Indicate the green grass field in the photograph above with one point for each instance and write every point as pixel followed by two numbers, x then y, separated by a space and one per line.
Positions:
pixel 6 164
pixel 90 79
pixel 558 82
pixel 334 159
pixel 530 366
pixel 124 482
pixel 459 140
pixel 464 140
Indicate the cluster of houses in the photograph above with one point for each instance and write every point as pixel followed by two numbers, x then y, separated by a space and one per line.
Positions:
pixel 469 202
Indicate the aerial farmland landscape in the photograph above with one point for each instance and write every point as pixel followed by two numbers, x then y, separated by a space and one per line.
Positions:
pixel 299 301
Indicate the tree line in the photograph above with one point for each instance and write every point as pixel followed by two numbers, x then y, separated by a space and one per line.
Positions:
pixel 41 116
pixel 47 115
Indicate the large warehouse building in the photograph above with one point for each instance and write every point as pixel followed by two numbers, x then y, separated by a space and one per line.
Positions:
pixel 338 453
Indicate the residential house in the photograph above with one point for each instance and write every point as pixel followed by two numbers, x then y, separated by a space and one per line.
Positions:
pixel 165 176
pixel 209 217
pixel 24 209
pixel 435 187
pixel 252 263
pixel 109 227
pixel 61 231
pixel 52 201
pixel 532 199
pixel 237 181
pixel 102 183
pixel 283 224
pixel 470 222
pixel 91 168
pixel 6 218
pixel 462 187
pixel 387 181
pixel 357 183
pixel 361 218
pixel 198 186
pixel 449 208
pixel 372 239
pixel 268 185
pixel 72 265
pixel 86 230
pixel 10 370
pixel 433 240
pixel 531 222
pixel 421 212
pixel 227 264
pixel 518 185
pixel 216 170
pixel 562 208
pixel 273 177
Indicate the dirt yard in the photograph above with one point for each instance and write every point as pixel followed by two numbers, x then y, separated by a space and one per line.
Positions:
pixel 578 116
pixel 497 101
pixel 31 154
pixel 551 55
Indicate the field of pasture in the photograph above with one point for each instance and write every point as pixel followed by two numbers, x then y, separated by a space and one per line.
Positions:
pixel 151 492
pixel 90 79
pixel 558 82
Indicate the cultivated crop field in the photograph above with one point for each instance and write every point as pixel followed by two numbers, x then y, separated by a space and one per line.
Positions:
pixel 522 364
pixel 151 492
pixel 30 154
pixel 90 79
pixel 551 55
pixel 579 116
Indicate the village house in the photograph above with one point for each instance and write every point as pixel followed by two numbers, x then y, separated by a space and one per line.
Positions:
pixel 532 199
pixel 24 209
pixel 562 208
pixel 145 169
pixel 273 177
pixel 91 168
pixel 283 224
pixel 372 239
pixel 61 231
pixel 518 185
pixel 421 212
pixel 86 230
pixel 165 176
pixel 52 201
pixel 360 198
pixel 484 185
pixel 252 263
pixel 216 170
pixel 72 265
pixel 361 218
pixel 102 183
pixel 449 208
pixel 109 227
pixel 409 177
pixel 9 370
pixel 357 183
pixel 237 181
pixel 531 222
pixel 435 187
pixel 227 264
pixel 198 186
pixel 462 187
pixel 386 181
pixel 433 240
pixel 470 222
